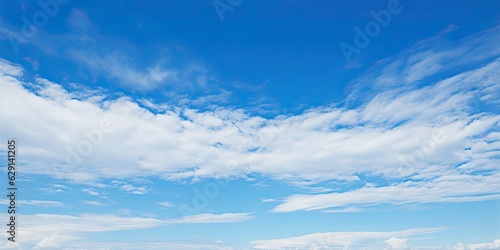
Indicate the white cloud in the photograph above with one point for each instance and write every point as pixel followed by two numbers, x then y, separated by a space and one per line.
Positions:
pixel 109 245
pixel 452 188
pixel 60 186
pixel 342 210
pixel 166 204
pixel 133 189
pixel 38 203
pixel 94 203
pixel 49 230
pixel 90 222
pixel 494 245
pixel 9 245
pixel 54 241
pixel 397 243
pixel 479 246
pixel 90 192
pixel 343 239
pixel 52 190
pixel 284 145
pixel 265 200
pixel 10 69
pixel 129 188
pixel 388 134
pixel 213 218
pixel 41 203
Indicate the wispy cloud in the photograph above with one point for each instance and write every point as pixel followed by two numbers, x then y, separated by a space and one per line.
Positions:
pixel 133 189
pixel 397 243
pixel 490 245
pixel 55 230
pixel 213 218
pixel 38 203
pixel 54 241
pixel 451 188
pixel 94 203
pixel 40 227
pixel 56 188
pixel 119 66
pixel 86 46
pixel 8 68
pixel 209 245
pixel 338 239
pixel 342 210
pixel 266 200
pixel 90 192
pixel 166 204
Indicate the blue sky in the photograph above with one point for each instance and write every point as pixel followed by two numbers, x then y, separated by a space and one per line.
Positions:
pixel 253 124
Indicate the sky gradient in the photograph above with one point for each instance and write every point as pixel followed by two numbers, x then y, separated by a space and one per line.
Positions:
pixel 252 124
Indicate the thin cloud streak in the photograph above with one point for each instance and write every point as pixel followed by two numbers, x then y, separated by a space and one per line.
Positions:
pixel 336 239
